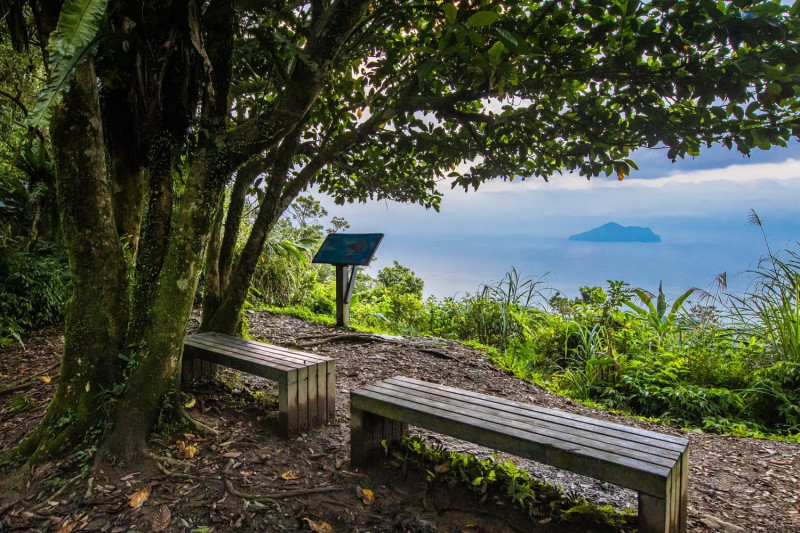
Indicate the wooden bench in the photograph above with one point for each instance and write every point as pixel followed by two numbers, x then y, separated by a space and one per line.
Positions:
pixel 306 382
pixel 653 464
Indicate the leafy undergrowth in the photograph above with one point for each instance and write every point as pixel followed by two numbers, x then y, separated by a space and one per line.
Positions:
pixel 505 485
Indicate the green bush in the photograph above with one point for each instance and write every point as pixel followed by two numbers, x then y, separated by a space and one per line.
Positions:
pixel 33 290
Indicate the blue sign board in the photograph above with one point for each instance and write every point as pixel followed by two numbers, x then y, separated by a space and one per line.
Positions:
pixel 348 248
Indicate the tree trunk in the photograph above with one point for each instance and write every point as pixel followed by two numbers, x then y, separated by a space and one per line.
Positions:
pixel 212 284
pixel 226 317
pixel 219 260
pixel 158 360
pixel 97 315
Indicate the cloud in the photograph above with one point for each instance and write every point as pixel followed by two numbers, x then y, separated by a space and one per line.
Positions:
pixel 787 170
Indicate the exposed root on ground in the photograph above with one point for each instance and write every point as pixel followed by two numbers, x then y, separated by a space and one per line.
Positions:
pixel 353 337
pixel 269 498
pixel 196 426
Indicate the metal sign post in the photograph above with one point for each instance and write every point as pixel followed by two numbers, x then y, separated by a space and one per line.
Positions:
pixel 347 251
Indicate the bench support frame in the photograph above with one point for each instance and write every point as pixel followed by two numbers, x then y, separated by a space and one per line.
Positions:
pixel 306 382
pixel 373 423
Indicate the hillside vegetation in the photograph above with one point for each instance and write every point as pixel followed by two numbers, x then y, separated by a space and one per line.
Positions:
pixel 726 364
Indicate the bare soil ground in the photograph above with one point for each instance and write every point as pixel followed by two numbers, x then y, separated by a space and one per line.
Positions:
pixel 250 479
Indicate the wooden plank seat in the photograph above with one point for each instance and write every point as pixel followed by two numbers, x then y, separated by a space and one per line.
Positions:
pixel 653 464
pixel 306 382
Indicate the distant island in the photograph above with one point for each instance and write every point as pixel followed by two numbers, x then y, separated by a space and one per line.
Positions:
pixel 613 232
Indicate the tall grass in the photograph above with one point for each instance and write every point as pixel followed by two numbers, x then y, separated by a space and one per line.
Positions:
pixel 770 309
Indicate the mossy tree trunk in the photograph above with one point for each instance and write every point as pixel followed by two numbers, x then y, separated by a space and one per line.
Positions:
pixel 173 194
pixel 96 318
pixel 157 364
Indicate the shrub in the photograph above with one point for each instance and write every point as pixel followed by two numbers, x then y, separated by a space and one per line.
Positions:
pixel 33 290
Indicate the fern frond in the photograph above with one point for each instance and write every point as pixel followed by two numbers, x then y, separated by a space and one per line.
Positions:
pixel 70 44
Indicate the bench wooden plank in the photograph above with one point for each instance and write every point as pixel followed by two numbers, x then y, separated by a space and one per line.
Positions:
pixel 560 416
pixel 313 393
pixel 573 428
pixel 302 401
pixel 653 464
pixel 302 397
pixel 244 345
pixel 624 450
pixel 331 390
pixel 277 358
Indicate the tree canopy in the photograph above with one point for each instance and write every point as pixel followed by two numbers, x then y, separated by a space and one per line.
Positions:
pixel 161 118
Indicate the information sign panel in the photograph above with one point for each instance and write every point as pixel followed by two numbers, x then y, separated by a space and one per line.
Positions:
pixel 347 251
pixel 348 248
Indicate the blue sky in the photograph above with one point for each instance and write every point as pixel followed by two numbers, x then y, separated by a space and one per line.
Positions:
pixel 699 206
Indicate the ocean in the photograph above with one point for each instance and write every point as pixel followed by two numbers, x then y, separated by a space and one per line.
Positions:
pixel 453 265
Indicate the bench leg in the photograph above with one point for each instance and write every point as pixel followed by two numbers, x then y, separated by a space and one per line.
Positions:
pixel 302 399
pixel 330 392
pixel 313 396
pixel 653 514
pixel 196 368
pixel 368 431
pixel 670 513
pixel 287 404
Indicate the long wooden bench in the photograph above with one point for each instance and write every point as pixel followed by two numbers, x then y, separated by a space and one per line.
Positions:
pixel 306 382
pixel 653 464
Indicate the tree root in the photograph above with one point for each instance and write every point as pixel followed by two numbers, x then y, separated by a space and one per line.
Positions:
pixel 197 426
pixel 353 337
pixel 29 382
pixel 56 494
pixel 269 498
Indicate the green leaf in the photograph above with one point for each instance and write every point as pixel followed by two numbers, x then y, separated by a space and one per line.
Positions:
pixel 482 18
pixel 70 44
pixel 77 27
pixel 508 37
pixel 426 68
pixel 450 12
pixel 495 51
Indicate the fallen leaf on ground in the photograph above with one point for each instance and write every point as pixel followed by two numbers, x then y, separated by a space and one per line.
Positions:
pixel 341 461
pixel 319 527
pixel 189 451
pixel 162 518
pixel 290 474
pixel 139 497
pixel 46 379
pixel 191 403
pixel 442 468
pixel 366 495
pixel 67 527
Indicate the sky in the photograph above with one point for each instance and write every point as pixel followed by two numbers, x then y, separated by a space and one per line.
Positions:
pixel 699 206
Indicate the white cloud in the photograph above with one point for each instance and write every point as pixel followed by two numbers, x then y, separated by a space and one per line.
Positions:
pixel 735 174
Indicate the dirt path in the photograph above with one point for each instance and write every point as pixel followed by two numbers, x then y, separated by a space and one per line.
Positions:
pixel 735 484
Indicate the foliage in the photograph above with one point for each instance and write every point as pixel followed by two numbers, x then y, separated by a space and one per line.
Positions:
pixel 683 364
pixel 656 312
pixel 70 45
pixel 770 309
pixel 283 274
pixel 33 289
pixel 502 481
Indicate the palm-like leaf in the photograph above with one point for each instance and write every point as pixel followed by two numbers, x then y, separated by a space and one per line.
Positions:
pixel 70 44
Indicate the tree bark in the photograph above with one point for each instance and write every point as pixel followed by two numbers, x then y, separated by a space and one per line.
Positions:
pixel 212 283
pixel 158 360
pixel 97 315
